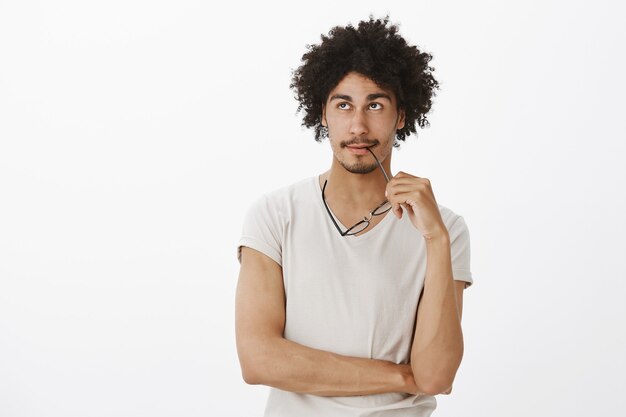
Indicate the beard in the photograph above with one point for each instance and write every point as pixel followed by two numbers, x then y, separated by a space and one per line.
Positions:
pixel 359 167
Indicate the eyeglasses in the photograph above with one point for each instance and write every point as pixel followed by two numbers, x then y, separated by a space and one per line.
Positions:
pixel 383 208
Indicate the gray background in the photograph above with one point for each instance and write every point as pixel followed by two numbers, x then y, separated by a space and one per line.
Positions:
pixel 134 135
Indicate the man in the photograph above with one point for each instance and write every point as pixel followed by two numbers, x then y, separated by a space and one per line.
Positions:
pixel 363 320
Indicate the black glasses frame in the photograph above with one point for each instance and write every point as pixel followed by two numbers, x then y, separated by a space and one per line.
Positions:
pixel 367 218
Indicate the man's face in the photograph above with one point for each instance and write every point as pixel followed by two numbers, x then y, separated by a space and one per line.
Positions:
pixel 359 113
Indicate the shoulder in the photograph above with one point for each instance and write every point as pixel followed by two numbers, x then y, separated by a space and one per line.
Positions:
pixel 281 200
pixel 287 191
pixel 448 216
pixel 455 223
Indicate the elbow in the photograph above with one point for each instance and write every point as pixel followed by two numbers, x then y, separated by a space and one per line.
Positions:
pixel 433 383
pixel 249 376
pixel 250 369
pixel 434 380
pixel 435 387
pixel 255 360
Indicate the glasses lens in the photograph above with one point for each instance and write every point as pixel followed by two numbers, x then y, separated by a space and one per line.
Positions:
pixel 357 228
pixel 384 208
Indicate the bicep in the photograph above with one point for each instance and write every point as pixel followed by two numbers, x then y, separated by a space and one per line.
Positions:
pixel 259 306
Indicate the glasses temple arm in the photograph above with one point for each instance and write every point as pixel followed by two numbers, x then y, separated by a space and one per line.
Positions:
pixel 378 162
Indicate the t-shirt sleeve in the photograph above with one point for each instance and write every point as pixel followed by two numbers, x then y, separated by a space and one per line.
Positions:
pixel 460 251
pixel 262 230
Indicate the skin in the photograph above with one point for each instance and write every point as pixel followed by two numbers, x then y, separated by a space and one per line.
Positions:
pixel 357 111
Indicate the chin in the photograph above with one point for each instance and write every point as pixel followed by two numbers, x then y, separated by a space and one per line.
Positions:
pixel 359 168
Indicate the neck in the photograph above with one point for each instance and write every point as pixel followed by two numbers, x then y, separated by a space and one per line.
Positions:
pixel 357 190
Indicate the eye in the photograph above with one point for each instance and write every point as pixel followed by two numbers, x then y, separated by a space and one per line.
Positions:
pixel 343 104
pixel 376 104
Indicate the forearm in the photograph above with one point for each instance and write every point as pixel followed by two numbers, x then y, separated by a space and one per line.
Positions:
pixel 293 367
pixel 437 348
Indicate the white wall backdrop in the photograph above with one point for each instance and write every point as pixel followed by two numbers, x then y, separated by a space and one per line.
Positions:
pixel 134 134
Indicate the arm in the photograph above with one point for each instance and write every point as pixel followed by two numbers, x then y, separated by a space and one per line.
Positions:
pixel 267 358
pixel 460 286
pixel 438 344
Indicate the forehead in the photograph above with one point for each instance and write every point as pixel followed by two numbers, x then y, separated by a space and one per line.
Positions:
pixel 358 87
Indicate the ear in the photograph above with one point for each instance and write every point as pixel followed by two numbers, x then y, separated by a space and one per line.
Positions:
pixel 401 119
pixel 323 121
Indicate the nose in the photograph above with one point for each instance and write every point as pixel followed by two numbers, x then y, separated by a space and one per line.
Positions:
pixel 358 125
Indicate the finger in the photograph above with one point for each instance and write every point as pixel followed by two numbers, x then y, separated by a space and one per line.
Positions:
pixel 408 204
pixel 402 174
pixel 415 182
pixel 397 210
pixel 410 197
pixel 400 188
pixel 396 206
pixel 404 180
pixel 393 190
pixel 409 207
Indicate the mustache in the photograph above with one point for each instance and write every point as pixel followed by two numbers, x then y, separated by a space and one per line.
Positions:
pixel 360 142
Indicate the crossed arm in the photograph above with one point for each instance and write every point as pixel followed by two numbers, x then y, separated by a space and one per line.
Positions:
pixel 267 358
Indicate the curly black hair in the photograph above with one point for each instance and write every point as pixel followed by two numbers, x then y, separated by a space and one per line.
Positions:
pixel 376 51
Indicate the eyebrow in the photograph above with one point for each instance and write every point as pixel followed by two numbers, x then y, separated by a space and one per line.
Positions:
pixel 372 96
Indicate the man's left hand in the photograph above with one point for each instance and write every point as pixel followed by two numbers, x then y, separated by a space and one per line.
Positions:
pixel 416 196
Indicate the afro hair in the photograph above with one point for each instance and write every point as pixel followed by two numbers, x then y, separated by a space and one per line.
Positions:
pixel 375 50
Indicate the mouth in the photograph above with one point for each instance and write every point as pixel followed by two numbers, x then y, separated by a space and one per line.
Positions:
pixel 359 150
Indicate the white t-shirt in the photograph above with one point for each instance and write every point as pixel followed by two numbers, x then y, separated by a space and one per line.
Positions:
pixel 351 295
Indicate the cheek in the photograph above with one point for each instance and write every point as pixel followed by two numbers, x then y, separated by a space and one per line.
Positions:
pixel 334 143
pixel 335 123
